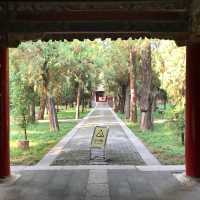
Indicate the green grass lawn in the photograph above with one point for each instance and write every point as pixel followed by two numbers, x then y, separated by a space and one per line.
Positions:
pixel 71 113
pixel 41 140
pixel 161 141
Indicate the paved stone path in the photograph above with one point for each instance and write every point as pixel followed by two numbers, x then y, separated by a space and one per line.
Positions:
pixel 101 184
pixel 119 148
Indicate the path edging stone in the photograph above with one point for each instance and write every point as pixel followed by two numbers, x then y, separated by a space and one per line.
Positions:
pixel 55 151
pixel 147 168
pixel 146 155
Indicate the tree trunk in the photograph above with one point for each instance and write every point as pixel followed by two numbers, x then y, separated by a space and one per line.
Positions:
pixel 25 128
pixel 83 99
pixel 43 99
pixel 120 104
pixel 164 104
pixel 154 105
pixel 50 104
pixel 78 97
pixel 57 108
pixel 32 111
pixel 90 103
pixel 54 126
pixel 182 138
pixel 127 103
pixel 133 87
pixel 122 98
pixel 83 105
pixel 32 105
pixel 146 97
pixel 146 121
pixel 115 104
pixel 154 101
pixel 47 108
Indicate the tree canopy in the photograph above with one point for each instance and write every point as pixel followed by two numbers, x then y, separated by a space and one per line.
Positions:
pixel 134 72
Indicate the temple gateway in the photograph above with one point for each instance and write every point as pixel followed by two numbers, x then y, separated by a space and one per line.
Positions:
pixel 177 20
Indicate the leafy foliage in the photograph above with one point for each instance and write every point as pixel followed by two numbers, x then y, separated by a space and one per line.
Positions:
pixel 65 68
pixel 20 101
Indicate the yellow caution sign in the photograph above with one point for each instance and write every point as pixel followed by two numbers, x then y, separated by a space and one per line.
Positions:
pixel 99 137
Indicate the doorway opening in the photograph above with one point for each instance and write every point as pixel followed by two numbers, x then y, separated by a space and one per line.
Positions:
pixel 54 84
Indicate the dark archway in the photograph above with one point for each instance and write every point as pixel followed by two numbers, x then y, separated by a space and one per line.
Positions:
pixel 58 20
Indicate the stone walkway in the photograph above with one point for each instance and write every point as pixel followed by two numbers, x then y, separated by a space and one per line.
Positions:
pixel 114 180
pixel 119 149
pixel 99 184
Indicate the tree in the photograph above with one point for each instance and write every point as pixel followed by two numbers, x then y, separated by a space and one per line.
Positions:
pixel 115 69
pixel 18 65
pixel 127 103
pixel 169 62
pixel 81 61
pixel 42 56
pixel 20 101
pixel 132 80
pixel 168 59
pixel 146 97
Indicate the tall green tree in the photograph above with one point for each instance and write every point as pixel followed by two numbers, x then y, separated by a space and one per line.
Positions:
pixel 42 56
pixel 116 71
pixel 81 61
pixel 146 96
pixel 21 100
pixel 133 84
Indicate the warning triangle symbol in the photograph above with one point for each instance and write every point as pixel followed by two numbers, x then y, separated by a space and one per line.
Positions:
pixel 100 133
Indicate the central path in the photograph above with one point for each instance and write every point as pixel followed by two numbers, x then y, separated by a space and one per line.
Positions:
pixel 119 148
pixel 98 182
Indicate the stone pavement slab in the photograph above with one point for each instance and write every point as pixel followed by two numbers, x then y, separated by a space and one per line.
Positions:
pixel 47 185
pixel 119 149
pixel 98 187
pixel 137 185
pixel 100 184
pixel 124 176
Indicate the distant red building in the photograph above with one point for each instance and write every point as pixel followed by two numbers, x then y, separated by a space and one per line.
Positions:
pixel 100 96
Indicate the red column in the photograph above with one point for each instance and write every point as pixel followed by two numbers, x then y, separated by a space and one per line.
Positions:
pixel 192 153
pixel 4 114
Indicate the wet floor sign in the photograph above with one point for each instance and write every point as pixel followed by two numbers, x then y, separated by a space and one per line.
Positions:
pixel 99 139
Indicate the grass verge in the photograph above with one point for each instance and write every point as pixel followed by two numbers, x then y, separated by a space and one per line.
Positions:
pixel 41 140
pixel 161 141
pixel 71 113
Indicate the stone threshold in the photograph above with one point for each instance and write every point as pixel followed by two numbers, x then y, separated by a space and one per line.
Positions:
pixel 173 168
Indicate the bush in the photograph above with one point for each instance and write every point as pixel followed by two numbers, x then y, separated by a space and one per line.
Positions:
pixel 20 101
pixel 175 114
